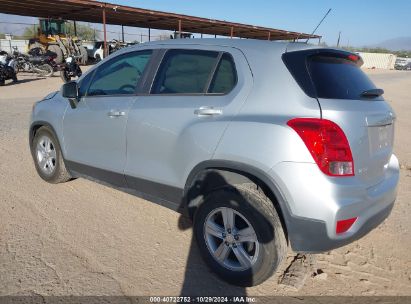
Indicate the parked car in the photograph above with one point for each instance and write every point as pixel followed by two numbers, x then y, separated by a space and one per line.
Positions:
pixel 404 67
pixel 262 144
pixel 95 50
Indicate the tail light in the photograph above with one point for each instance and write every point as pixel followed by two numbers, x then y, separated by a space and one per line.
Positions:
pixel 327 144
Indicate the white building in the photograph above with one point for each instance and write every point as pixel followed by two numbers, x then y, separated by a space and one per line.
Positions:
pixel 378 60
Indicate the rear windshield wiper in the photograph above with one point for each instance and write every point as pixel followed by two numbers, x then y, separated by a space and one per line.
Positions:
pixel 372 93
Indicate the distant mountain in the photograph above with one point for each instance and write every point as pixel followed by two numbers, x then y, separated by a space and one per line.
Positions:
pixel 395 44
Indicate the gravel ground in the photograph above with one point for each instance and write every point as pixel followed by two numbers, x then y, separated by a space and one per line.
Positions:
pixel 82 238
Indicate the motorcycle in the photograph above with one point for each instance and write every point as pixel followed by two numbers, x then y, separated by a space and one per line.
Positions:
pixel 7 68
pixel 35 62
pixel 70 68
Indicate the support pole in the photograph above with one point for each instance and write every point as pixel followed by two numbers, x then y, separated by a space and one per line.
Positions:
pixel 122 33
pixel 269 35
pixel 105 32
pixel 149 34
pixel 232 32
pixel 75 28
pixel 179 28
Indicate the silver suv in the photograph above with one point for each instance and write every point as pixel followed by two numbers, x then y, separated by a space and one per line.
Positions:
pixel 262 144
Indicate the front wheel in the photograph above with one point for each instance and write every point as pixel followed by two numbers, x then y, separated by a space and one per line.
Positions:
pixel 240 234
pixel 48 158
pixel 44 70
pixel 65 76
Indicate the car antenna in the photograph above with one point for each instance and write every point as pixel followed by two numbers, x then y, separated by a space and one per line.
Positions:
pixel 318 25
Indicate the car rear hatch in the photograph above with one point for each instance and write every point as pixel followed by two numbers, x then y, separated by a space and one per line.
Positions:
pixel 349 98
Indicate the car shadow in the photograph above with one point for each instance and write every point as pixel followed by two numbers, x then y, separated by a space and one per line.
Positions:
pixel 199 280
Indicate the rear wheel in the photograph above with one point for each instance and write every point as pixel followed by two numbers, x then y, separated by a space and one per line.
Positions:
pixel 59 53
pixel 47 157
pixel 240 235
pixel 36 45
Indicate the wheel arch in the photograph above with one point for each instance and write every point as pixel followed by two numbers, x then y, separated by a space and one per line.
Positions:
pixel 214 174
pixel 35 126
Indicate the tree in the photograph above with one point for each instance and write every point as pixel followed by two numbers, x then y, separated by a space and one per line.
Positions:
pixel 30 32
pixel 84 32
pixel 379 50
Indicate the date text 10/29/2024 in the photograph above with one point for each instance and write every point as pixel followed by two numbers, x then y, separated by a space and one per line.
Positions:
pixel 206 299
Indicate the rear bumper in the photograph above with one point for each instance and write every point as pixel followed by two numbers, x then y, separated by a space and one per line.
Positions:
pixel 311 236
pixel 313 203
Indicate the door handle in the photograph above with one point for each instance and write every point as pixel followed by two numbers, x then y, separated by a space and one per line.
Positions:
pixel 208 111
pixel 114 113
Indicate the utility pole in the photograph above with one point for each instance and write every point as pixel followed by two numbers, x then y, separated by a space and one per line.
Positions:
pixel 339 37
pixel 105 32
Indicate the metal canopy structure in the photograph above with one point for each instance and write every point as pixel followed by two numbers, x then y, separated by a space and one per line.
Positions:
pixel 107 13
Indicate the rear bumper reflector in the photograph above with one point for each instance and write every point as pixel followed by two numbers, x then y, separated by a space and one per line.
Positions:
pixel 344 225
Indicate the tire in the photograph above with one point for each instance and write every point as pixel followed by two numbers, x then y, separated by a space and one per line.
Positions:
pixel 251 208
pixel 45 70
pixel 84 55
pixel 36 45
pixel 47 156
pixel 59 53
pixel 64 76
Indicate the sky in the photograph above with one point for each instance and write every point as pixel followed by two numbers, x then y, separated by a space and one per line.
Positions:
pixel 361 22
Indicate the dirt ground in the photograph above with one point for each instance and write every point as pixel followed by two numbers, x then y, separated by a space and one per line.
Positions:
pixel 82 238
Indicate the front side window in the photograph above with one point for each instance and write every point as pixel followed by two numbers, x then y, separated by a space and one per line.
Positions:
pixel 185 72
pixel 84 83
pixel 120 75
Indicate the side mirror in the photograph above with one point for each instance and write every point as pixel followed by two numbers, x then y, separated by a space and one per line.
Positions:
pixel 70 90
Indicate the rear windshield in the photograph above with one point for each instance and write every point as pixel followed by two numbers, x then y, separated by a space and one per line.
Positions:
pixel 338 78
pixel 328 73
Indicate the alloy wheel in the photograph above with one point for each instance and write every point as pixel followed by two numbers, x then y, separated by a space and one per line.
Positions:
pixel 231 239
pixel 46 155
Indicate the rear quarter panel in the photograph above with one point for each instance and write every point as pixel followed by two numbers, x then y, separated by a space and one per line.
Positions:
pixel 259 135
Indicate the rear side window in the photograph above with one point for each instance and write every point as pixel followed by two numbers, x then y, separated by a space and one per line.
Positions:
pixel 185 72
pixel 338 78
pixel 120 75
pixel 225 77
